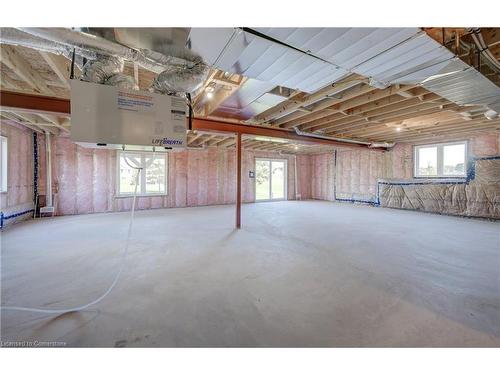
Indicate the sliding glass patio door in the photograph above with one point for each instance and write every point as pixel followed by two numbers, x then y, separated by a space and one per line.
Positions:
pixel 270 179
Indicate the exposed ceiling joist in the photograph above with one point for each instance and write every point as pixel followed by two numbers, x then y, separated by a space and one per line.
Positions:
pixel 59 65
pixel 22 68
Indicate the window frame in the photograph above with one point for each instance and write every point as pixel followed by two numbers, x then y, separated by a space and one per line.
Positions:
pixel 440 159
pixel 4 167
pixel 142 185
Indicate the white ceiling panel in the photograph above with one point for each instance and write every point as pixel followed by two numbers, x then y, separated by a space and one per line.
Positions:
pixel 310 58
pixel 255 57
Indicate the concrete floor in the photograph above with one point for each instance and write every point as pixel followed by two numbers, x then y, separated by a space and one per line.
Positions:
pixel 297 274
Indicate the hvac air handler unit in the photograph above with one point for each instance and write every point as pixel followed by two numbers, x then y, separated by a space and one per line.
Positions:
pixel 111 117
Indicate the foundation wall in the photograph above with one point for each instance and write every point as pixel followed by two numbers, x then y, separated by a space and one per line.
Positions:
pixel 356 173
pixel 85 179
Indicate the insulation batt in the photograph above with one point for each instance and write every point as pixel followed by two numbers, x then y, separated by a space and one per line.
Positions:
pixel 480 197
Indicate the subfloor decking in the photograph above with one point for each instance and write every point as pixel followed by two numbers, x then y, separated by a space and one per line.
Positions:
pixel 307 273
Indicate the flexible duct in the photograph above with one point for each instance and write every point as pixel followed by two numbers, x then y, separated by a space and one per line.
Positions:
pixel 345 140
pixel 122 81
pixel 491 114
pixel 100 70
pixel 108 70
pixel 16 37
pixel 178 78
pixel 381 145
pixel 179 69
pixel 85 41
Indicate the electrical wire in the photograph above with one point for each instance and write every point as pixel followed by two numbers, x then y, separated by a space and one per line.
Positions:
pixel 122 262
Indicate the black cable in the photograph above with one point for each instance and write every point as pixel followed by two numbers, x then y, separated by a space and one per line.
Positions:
pixel 190 111
pixel 72 73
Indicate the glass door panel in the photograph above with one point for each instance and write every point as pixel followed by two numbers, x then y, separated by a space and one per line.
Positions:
pixel 277 179
pixel 262 180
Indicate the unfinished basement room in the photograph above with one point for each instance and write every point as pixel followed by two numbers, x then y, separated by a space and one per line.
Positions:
pixel 252 187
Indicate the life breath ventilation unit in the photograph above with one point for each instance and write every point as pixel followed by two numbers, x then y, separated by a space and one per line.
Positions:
pixel 111 117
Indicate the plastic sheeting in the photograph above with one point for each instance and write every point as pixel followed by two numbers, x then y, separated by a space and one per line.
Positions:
pixel 478 196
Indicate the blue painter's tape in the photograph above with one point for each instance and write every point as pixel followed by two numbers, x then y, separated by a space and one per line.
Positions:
pixel 12 216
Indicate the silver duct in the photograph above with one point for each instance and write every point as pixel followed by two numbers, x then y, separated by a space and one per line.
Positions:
pixel 108 70
pixel 345 140
pixel 73 38
pixel 179 69
pixel 491 114
pixel 382 145
pixel 178 78
pixel 122 81
pixel 16 37
pixel 100 70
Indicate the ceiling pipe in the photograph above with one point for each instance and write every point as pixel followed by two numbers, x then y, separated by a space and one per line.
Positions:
pixel 353 141
pixel 15 37
pixel 483 48
pixel 85 41
pixel 179 70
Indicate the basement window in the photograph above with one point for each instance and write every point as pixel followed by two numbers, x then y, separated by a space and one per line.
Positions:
pixel 441 160
pixel 3 164
pixel 152 179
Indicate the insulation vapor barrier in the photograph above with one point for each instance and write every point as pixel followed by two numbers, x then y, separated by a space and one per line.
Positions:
pixel 478 196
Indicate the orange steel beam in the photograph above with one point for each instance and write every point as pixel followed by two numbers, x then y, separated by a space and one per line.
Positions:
pixel 33 103
pixel 43 104
pixel 227 127
pixel 238 181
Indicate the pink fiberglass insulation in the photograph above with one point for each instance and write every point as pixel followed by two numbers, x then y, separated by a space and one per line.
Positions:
pixel 485 145
pixel 100 178
pixel 400 161
pixel 212 176
pixel 316 175
pixel 197 178
pixel 357 172
pixel 65 175
pixel 20 167
pixel 304 176
pixel 202 166
pixel 193 161
pixel 229 172
pixel 180 173
pixel 84 180
pixel 322 176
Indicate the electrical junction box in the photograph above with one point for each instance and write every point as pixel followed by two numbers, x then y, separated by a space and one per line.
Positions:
pixel 110 117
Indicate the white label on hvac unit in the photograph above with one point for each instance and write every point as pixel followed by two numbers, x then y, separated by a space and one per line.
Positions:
pixel 130 101
pixel 178 115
